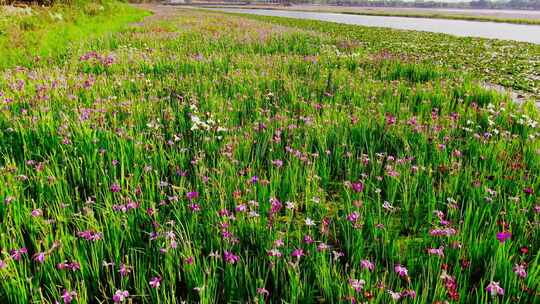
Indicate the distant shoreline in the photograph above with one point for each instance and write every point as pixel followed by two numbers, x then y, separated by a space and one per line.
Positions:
pixel 530 17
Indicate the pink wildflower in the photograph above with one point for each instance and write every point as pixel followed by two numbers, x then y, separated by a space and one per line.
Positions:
pixel 68 296
pixel 401 271
pixel 192 195
pixel 357 285
pixel 120 296
pixel 366 264
pixel 115 188
pixel 39 257
pixel 494 289
pixel 297 253
pixel 263 291
pixel 357 187
pixel 520 270
pixel 230 257
pixel 504 236
pixel 155 282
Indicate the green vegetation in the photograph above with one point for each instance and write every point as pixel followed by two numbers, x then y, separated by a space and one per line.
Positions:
pixel 214 158
pixel 381 11
pixel 51 31
pixel 513 65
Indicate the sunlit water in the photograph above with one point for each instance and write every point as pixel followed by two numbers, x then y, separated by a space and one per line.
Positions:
pixel 492 30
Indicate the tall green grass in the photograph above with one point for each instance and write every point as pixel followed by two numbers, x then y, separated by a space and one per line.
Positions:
pixel 51 32
pixel 235 160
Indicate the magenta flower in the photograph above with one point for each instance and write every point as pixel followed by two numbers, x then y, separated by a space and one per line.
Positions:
pixel 308 239
pixel 155 282
pixel 357 285
pixel 450 285
pixel 408 293
pixel 39 257
pixel 90 235
pixel 390 119
pixel 279 243
pixel 120 296
pixel 124 270
pixel 394 295
pixel 366 264
pixel 298 253
pixel 224 212
pixel 226 234
pixel 132 204
pixel 2 264
pixel 88 56
pixel 337 255
pixel 504 236
pixel 195 207
pixel 73 266
pixel 520 270
pixel 115 187
pixel 322 247
pixel 37 213
pixel 275 205
pixel 192 195
pixel 241 208
pixel 353 217
pixel 17 254
pixel 357 187
pixel 436 251
pixel 68 296
pixel 401 271
pixel 263 291
pixel 274 253
pixel 119 208
pixel 494 289
pixel 278 163
pixel 230 257
pixel 444 222
pixel 443 232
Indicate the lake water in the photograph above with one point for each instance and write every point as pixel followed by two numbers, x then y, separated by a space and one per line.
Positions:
pixel 492 30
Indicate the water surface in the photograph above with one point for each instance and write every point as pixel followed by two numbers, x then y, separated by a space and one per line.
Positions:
pixel 492 30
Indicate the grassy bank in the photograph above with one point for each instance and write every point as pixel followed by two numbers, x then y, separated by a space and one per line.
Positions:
pixel 50 32
pixel 212 158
